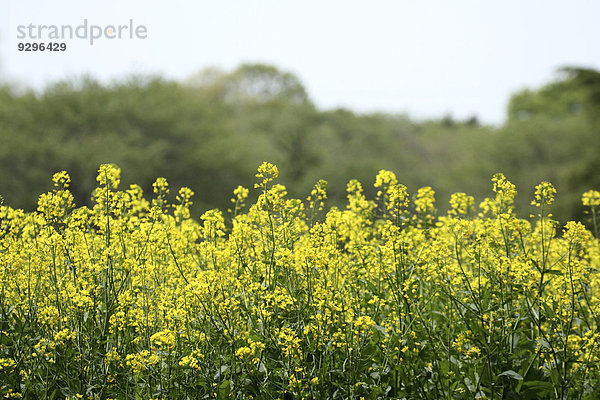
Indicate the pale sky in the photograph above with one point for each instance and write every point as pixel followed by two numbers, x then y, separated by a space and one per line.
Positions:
pixel 425 58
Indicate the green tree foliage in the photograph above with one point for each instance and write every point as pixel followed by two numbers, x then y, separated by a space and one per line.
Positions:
pixel 210 131
pixel 154 127
pixel 553 133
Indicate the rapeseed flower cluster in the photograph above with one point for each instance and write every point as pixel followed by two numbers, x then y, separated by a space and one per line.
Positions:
pixel 382 298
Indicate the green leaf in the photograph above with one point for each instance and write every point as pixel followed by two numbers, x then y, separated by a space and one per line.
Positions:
pixel 548 310
pixel 544 343
pixel 224 390
pixel 380 329
pixel 553 272
pixel 262 368
pixel 511 374
pixel 456 362
pixel 220 371
pixel 537 389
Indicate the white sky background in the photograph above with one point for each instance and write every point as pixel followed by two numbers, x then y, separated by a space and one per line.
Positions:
pixel 426 58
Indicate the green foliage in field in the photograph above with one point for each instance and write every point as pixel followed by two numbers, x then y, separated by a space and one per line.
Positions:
pixel 382 298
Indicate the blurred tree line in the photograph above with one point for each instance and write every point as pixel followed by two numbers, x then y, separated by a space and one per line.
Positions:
pixel 212 131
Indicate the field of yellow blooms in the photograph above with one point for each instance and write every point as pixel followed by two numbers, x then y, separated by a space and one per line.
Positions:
pixel 281 299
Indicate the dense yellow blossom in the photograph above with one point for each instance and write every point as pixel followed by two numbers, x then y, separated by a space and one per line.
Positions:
pixel 136 298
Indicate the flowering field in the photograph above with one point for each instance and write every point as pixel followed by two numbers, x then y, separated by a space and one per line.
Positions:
pixel 133 299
